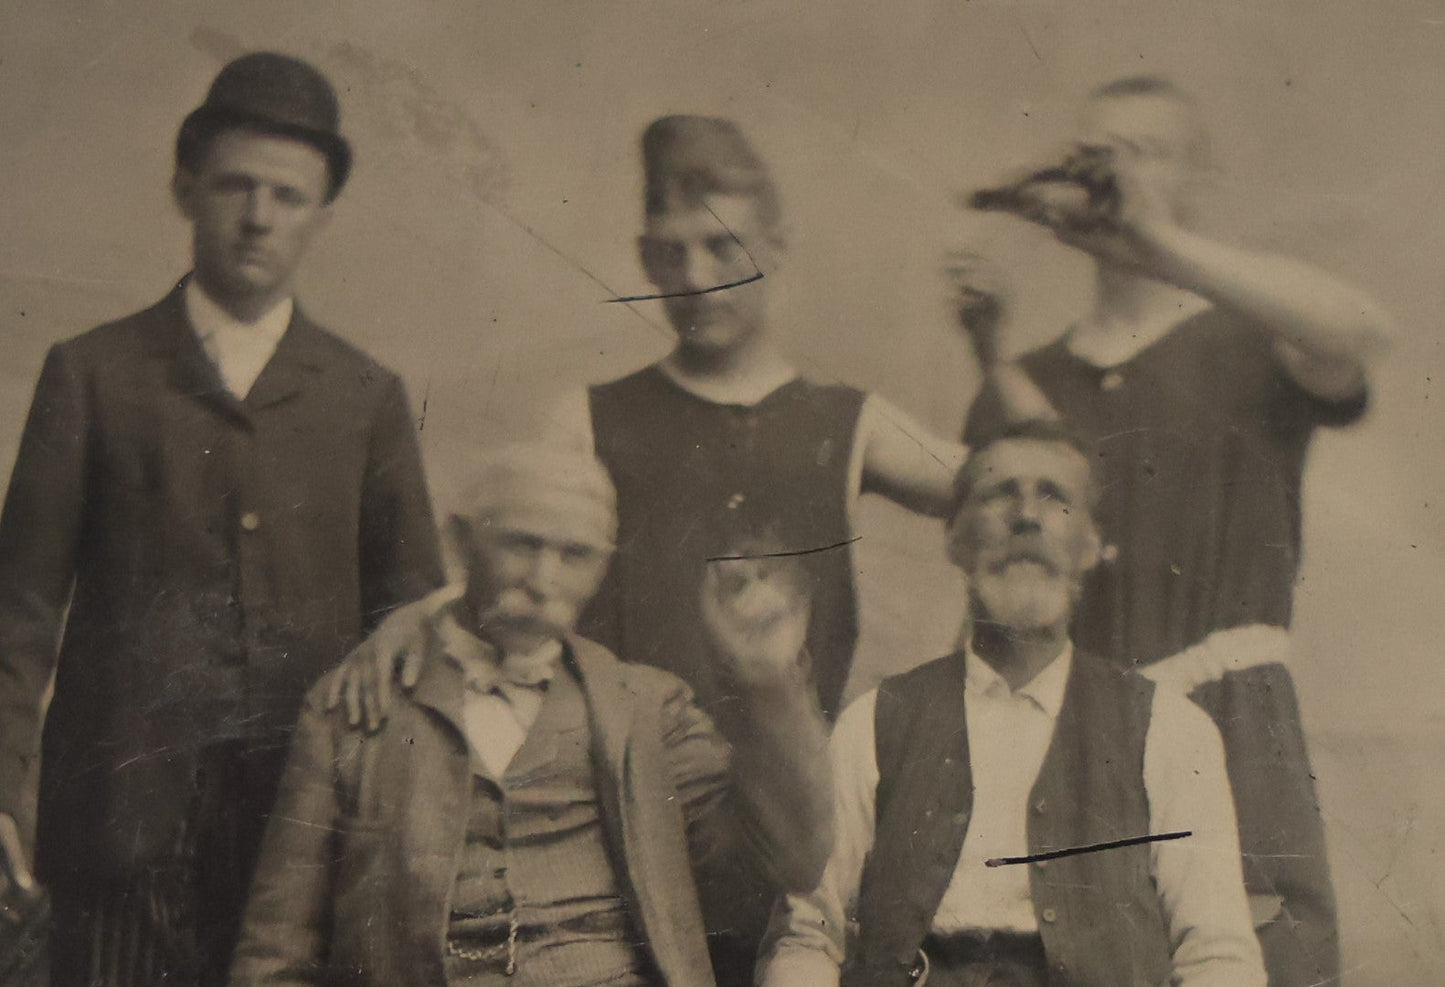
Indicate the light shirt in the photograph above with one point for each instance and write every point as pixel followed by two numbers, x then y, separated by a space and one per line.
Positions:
pixel 1199 879
pixel 239 350
pixel 1008 736
pixel 503 695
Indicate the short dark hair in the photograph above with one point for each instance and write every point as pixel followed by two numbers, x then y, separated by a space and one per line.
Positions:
pixel 1165 88
pixel 688 157
pixel 1050 430
pixel 1141 85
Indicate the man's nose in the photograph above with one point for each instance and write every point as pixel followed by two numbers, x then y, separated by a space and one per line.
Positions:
pixel 260 209
pixel 545 571
pixel 698 269
pixel 1027 514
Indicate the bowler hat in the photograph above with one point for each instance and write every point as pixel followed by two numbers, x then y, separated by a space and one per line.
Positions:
pixel 272 93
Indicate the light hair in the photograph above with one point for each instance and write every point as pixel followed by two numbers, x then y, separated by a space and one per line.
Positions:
pixel 1025 430
pixel 1161 87
pixel 686 158
pixel 514 475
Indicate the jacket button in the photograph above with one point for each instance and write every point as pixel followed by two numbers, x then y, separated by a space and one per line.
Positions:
pixel 250 521
pixel 1049 915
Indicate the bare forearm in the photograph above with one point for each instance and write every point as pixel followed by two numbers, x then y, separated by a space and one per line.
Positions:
pixel 780 766
pixel 1304 306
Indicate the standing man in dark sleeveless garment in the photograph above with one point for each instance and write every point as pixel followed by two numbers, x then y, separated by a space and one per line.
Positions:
pixel 722 449
pixel 1203 371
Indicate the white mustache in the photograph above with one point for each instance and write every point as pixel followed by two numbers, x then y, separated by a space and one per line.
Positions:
pixel 515 607
pixel 1025 555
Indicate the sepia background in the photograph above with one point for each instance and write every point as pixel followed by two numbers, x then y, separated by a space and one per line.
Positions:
pixel 496 197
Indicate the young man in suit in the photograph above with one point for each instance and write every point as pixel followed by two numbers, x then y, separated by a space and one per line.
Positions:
pixel 535 811
pixel 213 499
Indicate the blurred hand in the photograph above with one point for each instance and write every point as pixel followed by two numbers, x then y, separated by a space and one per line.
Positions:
pixel 979 297
pixel 755 611
pixel 393 652
pixel 21 882
pixel 1126 236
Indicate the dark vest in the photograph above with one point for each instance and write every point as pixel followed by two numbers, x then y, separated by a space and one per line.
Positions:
pixel 1098 913
pixel 696 479
pixel 536 842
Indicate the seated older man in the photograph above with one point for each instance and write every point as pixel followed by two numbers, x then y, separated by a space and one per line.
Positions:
pixel 535 811
pixel 1021 814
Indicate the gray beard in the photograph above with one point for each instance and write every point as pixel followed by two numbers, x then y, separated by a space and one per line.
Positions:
pixel 1022 598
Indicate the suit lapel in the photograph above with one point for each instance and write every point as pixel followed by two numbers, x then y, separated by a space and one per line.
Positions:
pixel 299 358
pixel 188 370
pixel 610 710
pixel 647 847
pixel 441 686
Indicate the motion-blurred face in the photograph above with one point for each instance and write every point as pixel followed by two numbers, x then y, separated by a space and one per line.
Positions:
pixel 533 563
pixel 254 205
pixel 707 243
pixel 1024 534
pixel 1160 134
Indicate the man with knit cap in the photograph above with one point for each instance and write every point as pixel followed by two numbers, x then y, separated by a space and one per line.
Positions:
pixel 213 499
pixel 721 447
pixel 534 811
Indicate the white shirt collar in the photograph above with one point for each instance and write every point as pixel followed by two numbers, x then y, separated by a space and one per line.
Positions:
pixel 210 319
pixel 1046 689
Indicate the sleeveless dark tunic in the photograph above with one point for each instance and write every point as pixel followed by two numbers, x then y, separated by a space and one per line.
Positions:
pixel 695 480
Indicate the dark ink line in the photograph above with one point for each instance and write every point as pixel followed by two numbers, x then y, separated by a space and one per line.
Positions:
pixel 683 294
pixel 571 261
pixel 782 555
pixel 741 246
pixel 1087 848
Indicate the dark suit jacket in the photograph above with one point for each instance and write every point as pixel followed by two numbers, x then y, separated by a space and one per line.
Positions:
pixel 217 556
pixel 363 847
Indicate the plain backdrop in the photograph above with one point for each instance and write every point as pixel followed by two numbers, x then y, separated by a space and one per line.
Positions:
pixel 496 198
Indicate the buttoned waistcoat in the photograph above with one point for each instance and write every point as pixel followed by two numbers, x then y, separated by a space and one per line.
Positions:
pixel 1099 914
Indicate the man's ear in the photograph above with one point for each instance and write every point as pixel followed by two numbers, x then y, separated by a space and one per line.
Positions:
pixel 183 191
pixel 954 542
pixel 457 532
pixel 776 238
pixel 647 257
pixel 1093 547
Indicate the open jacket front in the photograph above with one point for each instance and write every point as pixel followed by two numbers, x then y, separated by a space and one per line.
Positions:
pixel 356 875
